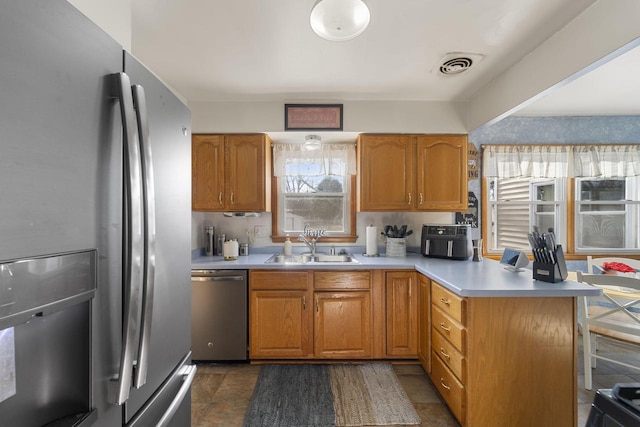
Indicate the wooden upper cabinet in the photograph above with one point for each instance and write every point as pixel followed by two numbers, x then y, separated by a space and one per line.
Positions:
pixel 247 174
pixel 412 172
pixel 207 172
pixel 231 172
pixel 386 165
pixel 442 172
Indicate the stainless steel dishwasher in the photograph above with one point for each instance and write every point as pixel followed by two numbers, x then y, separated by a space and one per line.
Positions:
pixel 219 314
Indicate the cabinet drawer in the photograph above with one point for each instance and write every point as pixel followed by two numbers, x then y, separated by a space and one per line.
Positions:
pixel 341 280
pixel 449 328
pixel 451 357
pixel 451 390
pixel 449 302
pixel 278 280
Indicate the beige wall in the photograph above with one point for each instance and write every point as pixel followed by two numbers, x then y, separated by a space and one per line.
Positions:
pixel 359 116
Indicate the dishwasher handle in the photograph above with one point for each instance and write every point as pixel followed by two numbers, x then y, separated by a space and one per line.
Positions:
pixel 217 278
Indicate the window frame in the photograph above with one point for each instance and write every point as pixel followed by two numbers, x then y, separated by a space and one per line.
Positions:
pixel 567 241
pixel 631 186
pixel 279 236
pixel 560 211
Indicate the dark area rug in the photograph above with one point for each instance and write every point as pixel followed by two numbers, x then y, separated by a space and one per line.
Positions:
pixel 329 395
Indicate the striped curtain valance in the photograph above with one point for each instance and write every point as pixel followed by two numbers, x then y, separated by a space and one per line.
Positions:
pixel 561 161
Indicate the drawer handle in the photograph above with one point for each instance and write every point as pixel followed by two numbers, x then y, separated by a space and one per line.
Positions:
pixel 445 301
pixel 444 385
pixel 444 353
pixel 444 327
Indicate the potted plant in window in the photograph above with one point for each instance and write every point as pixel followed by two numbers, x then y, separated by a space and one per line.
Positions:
pixel 396 240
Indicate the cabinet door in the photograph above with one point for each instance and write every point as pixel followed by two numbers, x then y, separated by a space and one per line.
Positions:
pixel 424 322
pixel 207 172
pixel 280 324
pixel 387 172
pixel 246 172
pixel 442 172
pixel 342 324
pixel 402 314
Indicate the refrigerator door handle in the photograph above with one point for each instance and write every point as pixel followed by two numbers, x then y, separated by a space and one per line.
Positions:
pixel 148 192
pixel 188 372
pixel 133 244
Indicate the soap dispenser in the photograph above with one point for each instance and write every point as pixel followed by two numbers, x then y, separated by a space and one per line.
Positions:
pixel 287 246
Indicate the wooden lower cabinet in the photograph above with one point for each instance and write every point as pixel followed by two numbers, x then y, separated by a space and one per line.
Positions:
pixel 424 322
pixel 505 361
pixel 342 325
pixel 280 324
pixel 401 290
pixel 280 315
pixel 310 315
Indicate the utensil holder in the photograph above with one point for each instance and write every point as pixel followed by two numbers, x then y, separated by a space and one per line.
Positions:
pixel 551 272
pixel 396 246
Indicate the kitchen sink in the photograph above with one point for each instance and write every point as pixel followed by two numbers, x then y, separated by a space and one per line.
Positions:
pixel 309 259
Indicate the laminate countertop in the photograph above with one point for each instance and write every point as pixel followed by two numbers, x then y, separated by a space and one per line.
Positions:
pixel 487 278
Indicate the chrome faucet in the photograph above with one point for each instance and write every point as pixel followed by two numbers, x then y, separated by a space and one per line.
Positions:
pixel 314 236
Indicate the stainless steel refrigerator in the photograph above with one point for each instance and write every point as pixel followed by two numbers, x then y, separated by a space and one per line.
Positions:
pixel 95 217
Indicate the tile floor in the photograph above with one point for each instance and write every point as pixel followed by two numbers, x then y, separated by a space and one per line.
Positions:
pixel 221 392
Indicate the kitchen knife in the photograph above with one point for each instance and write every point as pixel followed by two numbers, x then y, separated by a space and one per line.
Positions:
pixel 550 248
pixel 534 247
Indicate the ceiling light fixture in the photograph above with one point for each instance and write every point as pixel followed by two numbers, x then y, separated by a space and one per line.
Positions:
pixel 339 20
pixel 312 142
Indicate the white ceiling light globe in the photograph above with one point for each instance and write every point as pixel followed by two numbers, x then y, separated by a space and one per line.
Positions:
pixel 339 20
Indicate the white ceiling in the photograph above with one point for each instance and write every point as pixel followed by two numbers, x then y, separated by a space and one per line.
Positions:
pixel 266 50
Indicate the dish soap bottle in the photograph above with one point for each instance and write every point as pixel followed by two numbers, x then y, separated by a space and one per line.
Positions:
pixel 287 246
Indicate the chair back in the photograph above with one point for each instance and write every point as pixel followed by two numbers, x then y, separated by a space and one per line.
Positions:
pixel 617 313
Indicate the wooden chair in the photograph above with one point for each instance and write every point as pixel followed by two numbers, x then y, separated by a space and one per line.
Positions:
pixel 616 314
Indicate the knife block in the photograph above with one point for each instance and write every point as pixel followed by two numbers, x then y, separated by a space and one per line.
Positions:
pixel 556 272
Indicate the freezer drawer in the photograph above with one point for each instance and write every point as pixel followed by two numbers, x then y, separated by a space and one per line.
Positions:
pixel 219 315
pixel 170 405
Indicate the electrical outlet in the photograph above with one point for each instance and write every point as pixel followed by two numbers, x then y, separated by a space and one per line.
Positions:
pixel 259 231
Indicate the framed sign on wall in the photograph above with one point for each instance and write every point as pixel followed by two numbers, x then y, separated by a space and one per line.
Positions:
pixel 313 117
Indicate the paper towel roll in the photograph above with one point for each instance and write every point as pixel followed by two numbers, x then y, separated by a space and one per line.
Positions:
pixel 372 240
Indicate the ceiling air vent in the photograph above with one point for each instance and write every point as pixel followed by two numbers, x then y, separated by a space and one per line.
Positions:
pixel 458 62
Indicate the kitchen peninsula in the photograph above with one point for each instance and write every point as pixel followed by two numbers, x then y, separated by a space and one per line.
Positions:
pixel 499 346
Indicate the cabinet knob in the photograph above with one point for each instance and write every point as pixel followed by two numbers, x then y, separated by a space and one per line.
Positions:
pixel 409 198
pixel 421 198
pixel 231 198
pixel 220 198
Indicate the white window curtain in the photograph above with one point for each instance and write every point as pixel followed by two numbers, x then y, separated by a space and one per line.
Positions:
pixel 561 161
pixel 329 159
pixel 519 161
pixel 606 161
